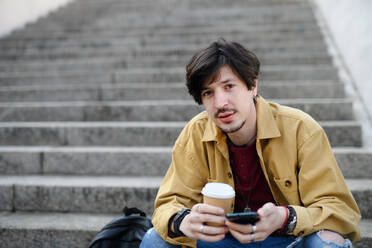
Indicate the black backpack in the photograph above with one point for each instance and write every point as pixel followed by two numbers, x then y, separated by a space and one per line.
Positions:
pixel 123 232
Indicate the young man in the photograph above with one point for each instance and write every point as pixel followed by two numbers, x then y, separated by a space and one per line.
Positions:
pixel 278 160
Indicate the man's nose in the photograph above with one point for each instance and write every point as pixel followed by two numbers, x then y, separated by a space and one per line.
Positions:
pixel 221 99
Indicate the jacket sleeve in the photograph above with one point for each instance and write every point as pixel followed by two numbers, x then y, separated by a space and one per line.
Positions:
pixel 180 188
pixel 327 201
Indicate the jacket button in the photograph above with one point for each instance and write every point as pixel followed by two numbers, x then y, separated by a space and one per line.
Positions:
pixel 229 175
pixel 288 183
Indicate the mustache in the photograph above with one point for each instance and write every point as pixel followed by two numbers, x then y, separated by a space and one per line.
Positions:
pixel 223 110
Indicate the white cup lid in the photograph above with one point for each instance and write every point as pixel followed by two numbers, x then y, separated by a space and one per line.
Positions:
pixel 218 190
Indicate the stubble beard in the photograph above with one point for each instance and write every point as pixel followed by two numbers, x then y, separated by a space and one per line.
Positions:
pixel 227 129
pixel 233 129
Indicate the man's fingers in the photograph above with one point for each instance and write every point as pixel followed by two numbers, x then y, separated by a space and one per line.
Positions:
pixel 242 238
pixel 207 209
pixel 209 230
pixel 208 218
pixel 211 238
pixel 245 238
pixel 247 233
pixel 243 228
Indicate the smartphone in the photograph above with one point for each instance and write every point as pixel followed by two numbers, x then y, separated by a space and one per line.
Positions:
pixel 243 217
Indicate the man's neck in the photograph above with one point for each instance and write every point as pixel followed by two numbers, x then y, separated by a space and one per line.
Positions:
pixel 245 136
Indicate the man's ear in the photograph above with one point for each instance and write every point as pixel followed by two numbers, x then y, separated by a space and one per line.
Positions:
pixel 254 89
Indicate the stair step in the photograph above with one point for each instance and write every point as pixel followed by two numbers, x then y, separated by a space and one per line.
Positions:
pixel 20 45
pixel 354 162
pixel 266 71
pixel 133 161
pixel 115 62
pixel 123 11
pixel 362 192
pixel 124 49
pixel 86 41
pixel 366 234
pixel 76 230
pixel 100 194
pixel 130 161
pixel 138 52
pixel 255 19
pixel 340 133
pixel 166 75
pixel 138 26
pixel 108 194
pixel 159 91
pixel 88 38
pixel 229 32
pixel 130 21
pixel 160 110
pixel 43 229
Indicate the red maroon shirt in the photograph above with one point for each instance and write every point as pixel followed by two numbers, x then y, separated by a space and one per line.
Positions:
pixel 251 186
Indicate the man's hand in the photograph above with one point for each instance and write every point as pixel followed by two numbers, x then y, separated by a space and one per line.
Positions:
pixel 271 219
pixel 193 225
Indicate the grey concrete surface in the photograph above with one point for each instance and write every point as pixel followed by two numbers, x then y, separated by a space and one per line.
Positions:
pixel 14 163
pixel 7 198
pixel 156 75
pixel 75 230
pixel 81 194
pixel 354 163
pixel 362 193
pixel 58 221
pixel 65 63
pixel 181 48
pixel 92 194
pixel 133 161
pixel 58 230
pixel 159 91
pixel 176 110
pixel 340 133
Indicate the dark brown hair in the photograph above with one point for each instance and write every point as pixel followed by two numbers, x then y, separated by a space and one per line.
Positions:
pixel 205 63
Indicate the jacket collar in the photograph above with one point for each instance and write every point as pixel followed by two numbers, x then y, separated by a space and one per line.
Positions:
pixel 266 125
pixel 212 132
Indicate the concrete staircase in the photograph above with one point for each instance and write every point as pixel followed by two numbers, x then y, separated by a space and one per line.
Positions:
pixel 92 98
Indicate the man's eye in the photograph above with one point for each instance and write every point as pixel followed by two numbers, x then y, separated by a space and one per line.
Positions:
pixel 229 86
pixel 206 93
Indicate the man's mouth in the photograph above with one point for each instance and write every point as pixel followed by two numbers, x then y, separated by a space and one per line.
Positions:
pixel 226 116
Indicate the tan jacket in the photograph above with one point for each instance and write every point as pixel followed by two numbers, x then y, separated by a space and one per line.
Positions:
pixel 296 159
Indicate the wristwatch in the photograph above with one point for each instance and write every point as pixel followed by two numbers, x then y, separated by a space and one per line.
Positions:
pixel 177 221
pixel 292 220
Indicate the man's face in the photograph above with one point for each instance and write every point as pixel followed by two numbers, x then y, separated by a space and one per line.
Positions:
pixel 228 101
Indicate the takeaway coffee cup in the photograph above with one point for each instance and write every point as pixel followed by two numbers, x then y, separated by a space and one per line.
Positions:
pixel 219 194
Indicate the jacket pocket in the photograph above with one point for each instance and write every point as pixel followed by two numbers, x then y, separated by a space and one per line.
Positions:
pixel 288 188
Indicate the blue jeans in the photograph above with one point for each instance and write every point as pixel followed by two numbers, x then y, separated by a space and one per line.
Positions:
pixel 153 240
pixel 314 240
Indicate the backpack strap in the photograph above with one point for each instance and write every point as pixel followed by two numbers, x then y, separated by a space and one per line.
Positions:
pixel 129 211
